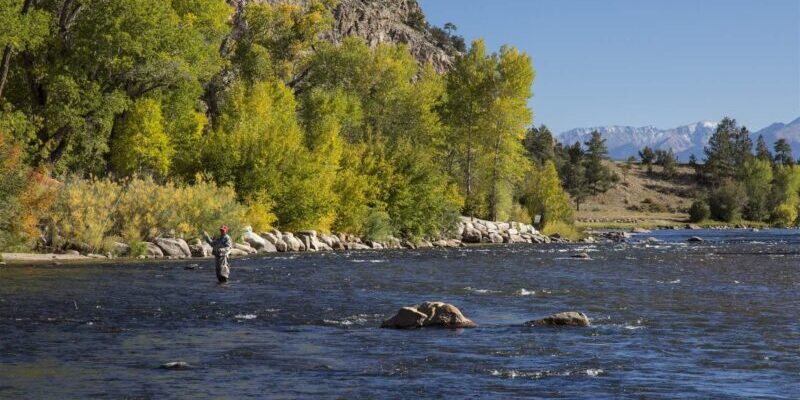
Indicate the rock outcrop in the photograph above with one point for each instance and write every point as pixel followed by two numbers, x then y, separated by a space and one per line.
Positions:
pixel 474 230
pixel 429 314
pixel 376 21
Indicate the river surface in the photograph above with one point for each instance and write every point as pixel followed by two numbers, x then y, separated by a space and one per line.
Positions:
pixel 719 319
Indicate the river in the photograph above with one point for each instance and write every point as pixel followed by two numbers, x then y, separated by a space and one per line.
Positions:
pixel 718 319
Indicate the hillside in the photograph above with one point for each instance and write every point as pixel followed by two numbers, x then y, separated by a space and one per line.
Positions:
pixel 641 199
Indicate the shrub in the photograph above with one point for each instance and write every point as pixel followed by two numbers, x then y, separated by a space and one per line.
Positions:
pixel 565 230
pixel 25 197
pixel 725 203
pixel 377 226
pixel 83 213
pixel 699 211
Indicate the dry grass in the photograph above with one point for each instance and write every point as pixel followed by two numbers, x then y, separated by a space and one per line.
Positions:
pixel 641 199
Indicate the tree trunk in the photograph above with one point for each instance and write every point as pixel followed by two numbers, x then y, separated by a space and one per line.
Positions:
pixel 495 167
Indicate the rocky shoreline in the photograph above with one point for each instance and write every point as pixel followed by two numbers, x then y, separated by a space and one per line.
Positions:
pixel 468 231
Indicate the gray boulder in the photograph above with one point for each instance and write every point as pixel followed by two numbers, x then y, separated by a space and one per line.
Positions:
pixel 255 241
pixel 292 243
pixel 200 248
pixel 471 235
pixel 177 248
pixel 122 249
pixel 694 239
pixel 245 248
pixel 569 318
pixel 495 237
pixel 153 251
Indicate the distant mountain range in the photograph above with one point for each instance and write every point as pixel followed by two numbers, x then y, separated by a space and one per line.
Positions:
pixel 685 140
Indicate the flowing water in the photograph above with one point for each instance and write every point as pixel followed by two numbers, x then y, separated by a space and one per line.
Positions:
pixel 719 319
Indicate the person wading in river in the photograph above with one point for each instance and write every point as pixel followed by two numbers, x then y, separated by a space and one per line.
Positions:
pixel 221 249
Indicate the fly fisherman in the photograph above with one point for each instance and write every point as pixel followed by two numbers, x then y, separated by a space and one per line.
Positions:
pixel 221 249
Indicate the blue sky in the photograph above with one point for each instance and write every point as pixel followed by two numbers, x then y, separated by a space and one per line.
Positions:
pixel 645 62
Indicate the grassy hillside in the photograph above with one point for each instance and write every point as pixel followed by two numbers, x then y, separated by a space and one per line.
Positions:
pixel 641 199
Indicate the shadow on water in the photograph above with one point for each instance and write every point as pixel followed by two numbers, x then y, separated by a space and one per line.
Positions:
pixel 710 320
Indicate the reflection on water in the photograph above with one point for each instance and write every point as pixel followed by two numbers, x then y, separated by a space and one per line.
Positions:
pixel 710 320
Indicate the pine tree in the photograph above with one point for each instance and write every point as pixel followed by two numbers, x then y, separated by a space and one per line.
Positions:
pixel 540 144
pixel 720 163
pixel 762 149
pixel 598 176
pixel 648 156
pixel 783 153
pixel 573 174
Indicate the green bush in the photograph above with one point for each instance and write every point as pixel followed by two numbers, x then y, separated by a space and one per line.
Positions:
pixel 725 203
pixel 699 211
pixel 378 225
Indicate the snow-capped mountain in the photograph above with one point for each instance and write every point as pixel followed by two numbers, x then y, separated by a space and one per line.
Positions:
pixel 626 141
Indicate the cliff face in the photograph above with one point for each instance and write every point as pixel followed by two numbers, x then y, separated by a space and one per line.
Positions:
pixel 391 21
pixel 381 21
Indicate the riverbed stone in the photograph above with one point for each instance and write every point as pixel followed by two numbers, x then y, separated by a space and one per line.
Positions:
pixel 694 239
pixel 173 247
pixel 176 365
pixel 429 314
pixel 569 318
pixel 471 235
pixel 495 237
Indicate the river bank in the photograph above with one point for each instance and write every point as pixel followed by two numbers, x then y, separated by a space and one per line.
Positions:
pixel 468 231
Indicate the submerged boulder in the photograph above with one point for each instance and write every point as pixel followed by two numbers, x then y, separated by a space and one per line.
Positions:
pixel 694 239
pixel 569 318
pixel 429 313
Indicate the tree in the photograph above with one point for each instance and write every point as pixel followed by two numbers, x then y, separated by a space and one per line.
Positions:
pixel 544 195
pixel 783 153
pixel 757 182
pixel 573 174
pixel 140 146
pixel 598 176
pixel 648 156
pixel 666 159
pixel 486 114
pixel 721 153
pixel 725 202
pixel 762 150
pixel 626 168
pixel 540 145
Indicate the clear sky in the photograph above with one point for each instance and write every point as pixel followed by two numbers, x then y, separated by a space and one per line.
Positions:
pixel 645 62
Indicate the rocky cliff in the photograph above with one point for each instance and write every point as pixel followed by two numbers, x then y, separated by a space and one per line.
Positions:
pixel 384 21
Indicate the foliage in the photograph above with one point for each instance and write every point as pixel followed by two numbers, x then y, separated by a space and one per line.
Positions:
pixel 25 198
pixel 141 146
pixel 598 176
pixel 648 157
pixel 544 195
pixel 573 175
pixel 725 202
pixel 540 144
pixel 699 211
pixel 757 180
pixel 563 229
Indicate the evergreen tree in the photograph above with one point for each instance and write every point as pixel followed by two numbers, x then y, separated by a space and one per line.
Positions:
pixel 598 176
pixel 721 158
pixel 540 144
pixel 762 150
pixel 666 159
pixel 783 153
pixel 648 156
pixel 573 174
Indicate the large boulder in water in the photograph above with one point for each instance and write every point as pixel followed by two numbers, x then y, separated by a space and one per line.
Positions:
pixel 695 239
pixel 174 247
pixel 569 318
pixel 429 313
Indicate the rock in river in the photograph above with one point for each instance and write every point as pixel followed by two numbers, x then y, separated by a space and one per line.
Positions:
pixel 695 239
pixel 569 318
pixel 429 313
pixel 173 247
pixel 176 365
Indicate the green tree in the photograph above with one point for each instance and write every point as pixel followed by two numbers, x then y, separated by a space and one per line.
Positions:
pixel 573 174
pixel 141 146
pixel 783 153
pixel 648 157
pixel 725 202
pixel 540 145
pixel 757 182
pixel 598 176
pixel 666 159
pixel 544 195
pixel 762 150
pixel 721 158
